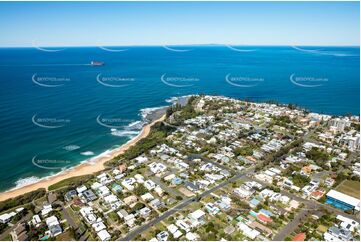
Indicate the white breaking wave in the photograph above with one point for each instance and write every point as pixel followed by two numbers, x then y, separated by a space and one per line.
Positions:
pixel 172 100
pixel 26 181
pixel 125 133
pixel 87 153
pixel 105 154
pixel 71 147
pixel 146 111
pixel 135 125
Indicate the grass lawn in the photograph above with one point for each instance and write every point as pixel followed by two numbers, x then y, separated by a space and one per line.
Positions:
pixel 8 238
pixel 73 181
pixel 72 214
pixel 207 199
pixel 113 216
pixel 66 236
pixel 151 232
pixel 322 228
pixel 351 188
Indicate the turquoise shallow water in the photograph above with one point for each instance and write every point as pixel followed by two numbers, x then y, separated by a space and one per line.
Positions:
pixel 57 110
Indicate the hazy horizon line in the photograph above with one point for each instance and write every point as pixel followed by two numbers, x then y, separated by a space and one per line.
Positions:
pixel 160 45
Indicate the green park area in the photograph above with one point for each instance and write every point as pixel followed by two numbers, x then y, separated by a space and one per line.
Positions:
pixel 351 188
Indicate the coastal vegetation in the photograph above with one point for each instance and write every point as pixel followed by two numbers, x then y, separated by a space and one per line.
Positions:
pixel 71 182
pixel 22 199
pixel 183 155
pixel 178 113
pixel 157 135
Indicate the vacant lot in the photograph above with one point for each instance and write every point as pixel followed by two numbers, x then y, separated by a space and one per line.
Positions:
pixel 186 192
pixel 351 188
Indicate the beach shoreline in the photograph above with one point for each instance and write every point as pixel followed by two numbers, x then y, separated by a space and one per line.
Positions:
pixel 95 165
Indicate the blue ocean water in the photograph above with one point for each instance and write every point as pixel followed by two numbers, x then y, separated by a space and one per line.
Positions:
pixel 55 106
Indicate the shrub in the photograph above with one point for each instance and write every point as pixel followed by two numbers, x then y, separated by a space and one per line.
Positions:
pixel 22 199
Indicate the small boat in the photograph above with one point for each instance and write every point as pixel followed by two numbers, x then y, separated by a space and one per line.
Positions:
pixel 96 63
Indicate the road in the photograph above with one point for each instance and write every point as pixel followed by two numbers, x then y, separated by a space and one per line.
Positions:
pixel 132 234
pixel 310 205
pixel 291 226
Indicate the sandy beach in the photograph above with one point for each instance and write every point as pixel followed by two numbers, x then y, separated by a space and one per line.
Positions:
pixel 86 168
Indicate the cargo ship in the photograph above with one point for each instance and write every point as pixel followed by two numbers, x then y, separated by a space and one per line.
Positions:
pixel 96 63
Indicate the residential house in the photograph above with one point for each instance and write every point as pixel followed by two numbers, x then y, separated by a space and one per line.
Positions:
pixel 197 218
pixel 53 226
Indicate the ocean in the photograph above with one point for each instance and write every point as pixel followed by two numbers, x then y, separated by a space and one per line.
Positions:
pixel 57 110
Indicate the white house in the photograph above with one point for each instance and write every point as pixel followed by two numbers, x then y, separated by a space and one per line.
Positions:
pixel 247 231
pixel 81 189
pixel 183 225
pixel 98 226
pixel 149 184
pixel 54 226
pixel 197 217
pixel 147 197
pixel 46 209
pixel 104 235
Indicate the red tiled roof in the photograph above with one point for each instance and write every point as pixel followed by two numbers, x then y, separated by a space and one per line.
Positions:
pixel 317 194
pixel 264 218
pixel 299 237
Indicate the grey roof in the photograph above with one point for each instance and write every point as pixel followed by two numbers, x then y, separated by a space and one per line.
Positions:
pixel 191 186
pixel 70 194
pixel 55 229
pixel 341 233
pixel 89 195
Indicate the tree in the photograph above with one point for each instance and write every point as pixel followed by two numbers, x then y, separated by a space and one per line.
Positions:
pixel 243 151
pixel 317 155
pixel 140 190
pixel 300 180
pixel 138 206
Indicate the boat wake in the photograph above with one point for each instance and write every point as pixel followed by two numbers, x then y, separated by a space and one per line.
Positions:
pixel 46 65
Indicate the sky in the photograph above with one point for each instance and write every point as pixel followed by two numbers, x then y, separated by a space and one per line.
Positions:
pixel 26 24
